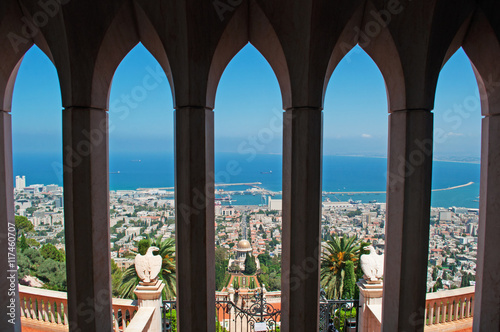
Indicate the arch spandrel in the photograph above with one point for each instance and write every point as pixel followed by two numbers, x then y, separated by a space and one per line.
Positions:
pixel 482 46
pixel 74 33
pixel 120 38
pixel 190 32
pixel 149 37
pixel 414 43
pixel 234 38
pixel 307 43
pixel 14 44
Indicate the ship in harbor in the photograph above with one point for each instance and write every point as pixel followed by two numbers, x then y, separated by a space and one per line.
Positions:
pixel 268 172
pixel 226 198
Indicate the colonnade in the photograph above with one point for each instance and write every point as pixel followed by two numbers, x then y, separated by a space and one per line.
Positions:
pixel 303 41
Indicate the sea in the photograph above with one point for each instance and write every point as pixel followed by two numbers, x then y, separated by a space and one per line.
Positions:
pixel 130 171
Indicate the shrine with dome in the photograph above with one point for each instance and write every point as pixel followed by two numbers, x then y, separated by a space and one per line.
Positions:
pixel 242 248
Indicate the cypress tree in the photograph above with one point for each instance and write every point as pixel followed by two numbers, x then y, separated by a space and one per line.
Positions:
pixel 250 266
pixel 349 281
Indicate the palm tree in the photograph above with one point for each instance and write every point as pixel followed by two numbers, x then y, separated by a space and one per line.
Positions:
pixel 336 253
pixel 167 275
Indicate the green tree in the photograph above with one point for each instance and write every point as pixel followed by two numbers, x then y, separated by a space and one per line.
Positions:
pixel 50 251
pixel 53 274
pixel 236 283
pixel 354 213
pixel 252 283
pixel 23 244
pixel 116 278
pixel 221 264
pixel 338 251
pixel 438 284
pixel 466 279
pixel 23 225
pixel 349 281
pixel 143 245
pixel 32 243
pixel 167 275
pixel 250 266
pixel 434 273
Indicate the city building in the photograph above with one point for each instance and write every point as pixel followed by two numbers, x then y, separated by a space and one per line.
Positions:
pixel 20 182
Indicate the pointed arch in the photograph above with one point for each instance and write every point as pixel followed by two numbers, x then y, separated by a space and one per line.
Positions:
pixel 121 37
pixel 249 24
pixel 14 46
pixel 383 51
pixel 482 46
pixel 347 40
pixel 149 37
pixel 233 39
pixel 264 38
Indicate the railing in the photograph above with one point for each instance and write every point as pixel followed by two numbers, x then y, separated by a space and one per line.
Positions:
pixel 449 306
pixel 169 316
pixel 49 309
pixel 248 313
pixel 142 320
pixel 338 315
pixel 258 316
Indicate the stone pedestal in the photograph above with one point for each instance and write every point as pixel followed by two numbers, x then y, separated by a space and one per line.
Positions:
pixel 231 294
pixel 149 296
pixel 369 294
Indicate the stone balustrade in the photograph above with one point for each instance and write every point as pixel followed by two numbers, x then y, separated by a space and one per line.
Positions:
pixel 449 310
pixel 142 320
pixel 47 310
pixel 445 311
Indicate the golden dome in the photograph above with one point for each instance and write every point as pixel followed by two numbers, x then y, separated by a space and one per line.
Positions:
pixel 244 245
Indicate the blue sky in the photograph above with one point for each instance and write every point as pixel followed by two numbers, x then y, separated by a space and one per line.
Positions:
pixel 248 107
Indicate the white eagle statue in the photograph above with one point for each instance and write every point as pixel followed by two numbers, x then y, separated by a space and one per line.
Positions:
pixel 148 266
pixel 372 265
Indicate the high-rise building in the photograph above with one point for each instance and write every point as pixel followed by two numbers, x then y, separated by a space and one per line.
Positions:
pixel 20 182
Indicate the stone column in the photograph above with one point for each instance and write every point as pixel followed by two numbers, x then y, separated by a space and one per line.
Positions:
pixel 302 164
pixel 194 208
pixel 86 214
pixel 9 298
pixel 149 296
pixel 408 216
pixel 369 294
pixel 487 300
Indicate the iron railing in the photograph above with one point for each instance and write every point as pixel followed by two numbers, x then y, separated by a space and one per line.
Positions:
pixel 254 313
pixel 169 316
pixel 338 315
pixel 251 313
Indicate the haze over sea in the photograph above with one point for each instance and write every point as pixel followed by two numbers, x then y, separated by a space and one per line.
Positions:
pixel 340 174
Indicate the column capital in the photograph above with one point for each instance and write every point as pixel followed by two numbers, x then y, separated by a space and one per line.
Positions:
pixel 193 107
pixel 309 108
pixel 85 108
pixel 411 110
